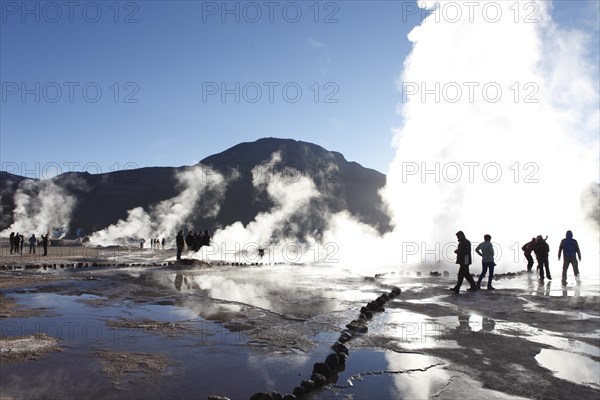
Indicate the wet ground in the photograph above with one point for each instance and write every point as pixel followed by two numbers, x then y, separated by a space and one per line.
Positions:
pixel 191 331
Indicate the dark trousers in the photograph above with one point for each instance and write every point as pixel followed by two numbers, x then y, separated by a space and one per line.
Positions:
pixel 45 250
pixel 463 273
pixel 179 250
pixel 573 261
pixel 543 263
pixel 32 248
pixel 529 261
pixel 484 268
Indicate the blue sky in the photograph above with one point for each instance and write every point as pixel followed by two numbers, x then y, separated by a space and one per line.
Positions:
pixel 161 67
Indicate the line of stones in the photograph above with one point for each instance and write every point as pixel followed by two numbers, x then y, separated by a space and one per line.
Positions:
pixel 325 372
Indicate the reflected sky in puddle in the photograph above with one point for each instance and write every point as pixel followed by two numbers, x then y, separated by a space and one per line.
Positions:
pixel 403 373
pixel 572 367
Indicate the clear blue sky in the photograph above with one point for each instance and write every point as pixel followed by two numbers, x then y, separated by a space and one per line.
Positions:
pixel 170 57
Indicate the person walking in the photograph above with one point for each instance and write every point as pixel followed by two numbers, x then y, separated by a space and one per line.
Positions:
pixel 463 258
pixel 486 250
pixel 570 250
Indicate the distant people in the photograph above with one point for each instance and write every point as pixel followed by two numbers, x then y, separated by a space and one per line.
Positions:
pixel 486 250
pixel 463 258
pixel 570 249
pixel 45 244
pixel 142 241
pixel 261 253
pixel 22 239
pixel 32 242
pixel 527 249
pixel 179 241
pixel 17 242
pixel 11 238
pixel 206 238
pixel 541 251
pixel 162 242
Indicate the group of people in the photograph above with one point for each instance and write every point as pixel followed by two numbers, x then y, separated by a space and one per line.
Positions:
pixel 569 249
pixel 157 244
pixel 193 240
pixel 17 242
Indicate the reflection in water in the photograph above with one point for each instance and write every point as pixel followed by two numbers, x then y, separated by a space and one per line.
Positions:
pixel 573 367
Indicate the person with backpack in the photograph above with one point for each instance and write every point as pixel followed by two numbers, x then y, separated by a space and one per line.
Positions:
pixel 527 249
pixel 541 251
pixel 570 249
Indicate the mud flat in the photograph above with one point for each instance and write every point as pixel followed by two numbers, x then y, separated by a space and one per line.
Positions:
pixel 192 330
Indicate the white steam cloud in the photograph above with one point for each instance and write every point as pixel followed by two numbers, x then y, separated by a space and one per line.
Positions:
pixel 202 189
pixel 500 133
pixel 41 207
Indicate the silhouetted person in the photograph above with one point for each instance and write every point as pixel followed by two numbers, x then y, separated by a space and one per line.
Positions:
pixel 142 243
pixel 486 250
pixel 206 238
pixel 541 254
pixel 570 249
pixel 32 242
pixel 45 243
pixel 179 241
pixel 189 240
pixel 527 249
pixel 463 258
pixel 261 253
pixel 17 241
pixel 22 237
pixel 162 242
pixel 11 238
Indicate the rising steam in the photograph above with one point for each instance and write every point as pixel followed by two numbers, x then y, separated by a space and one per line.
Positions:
pixel 202 190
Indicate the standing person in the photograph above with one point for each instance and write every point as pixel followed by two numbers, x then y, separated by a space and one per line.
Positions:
pixel 17 240
pixel 22 237
pixel 570 248
pixel 541 251
pixel 486 250
pixel 189 240
pixel 12 241
pixel 45 243
pixel 527 249
pixel 179 241
pixel 463 258
pixel 162 242
pixel 206 238
pixel 32 241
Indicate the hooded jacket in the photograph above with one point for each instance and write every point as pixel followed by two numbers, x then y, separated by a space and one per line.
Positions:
pixel 463 253
pixel 569 246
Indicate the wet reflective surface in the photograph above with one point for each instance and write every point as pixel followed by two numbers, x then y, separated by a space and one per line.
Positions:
pixel 234 331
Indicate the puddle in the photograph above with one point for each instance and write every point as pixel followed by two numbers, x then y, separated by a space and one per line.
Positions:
pixel 572 367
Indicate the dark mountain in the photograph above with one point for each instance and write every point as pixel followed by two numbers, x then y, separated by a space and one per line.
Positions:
pixel 103 199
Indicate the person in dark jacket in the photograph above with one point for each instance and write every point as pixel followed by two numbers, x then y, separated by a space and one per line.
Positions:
pixel 32 243
pixel 463 258
pixel 527 249
pixel 180 242
pixel 541 251
pixel 12 241
pixel 45 243
pixel 570 249
pixel 17 240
